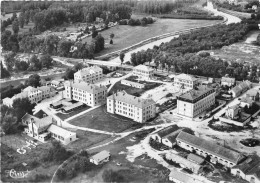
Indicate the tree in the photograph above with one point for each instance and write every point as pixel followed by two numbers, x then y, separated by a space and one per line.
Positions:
pixel 122 56
pixel 69 74
pixel 64 48
pixel 112 176
pixel 46 61
pixel 22 106
pixel 4 72
pixel 15 26
pixel 9 125
pixel 94 32
pixel 112 35
pixel 21 19
pixel 27 17
pixel 33 80
pixel 9 61
pixel 51 44
pixel 258 40
pixel 5 39
pixel 35 64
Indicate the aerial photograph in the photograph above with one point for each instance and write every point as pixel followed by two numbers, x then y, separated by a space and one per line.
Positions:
pixel 140 91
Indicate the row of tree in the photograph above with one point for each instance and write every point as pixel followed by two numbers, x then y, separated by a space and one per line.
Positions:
pixel 135 22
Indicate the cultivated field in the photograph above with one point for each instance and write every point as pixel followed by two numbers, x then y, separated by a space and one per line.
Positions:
pixel 126 36
pixel 101 120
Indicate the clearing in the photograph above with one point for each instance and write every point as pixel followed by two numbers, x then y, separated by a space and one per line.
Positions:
pixel 101 120
pixel 126 35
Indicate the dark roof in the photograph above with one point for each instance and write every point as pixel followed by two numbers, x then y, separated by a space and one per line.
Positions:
pixel 251 166
pixel 40 114
pixel 168 130
pixel 210 147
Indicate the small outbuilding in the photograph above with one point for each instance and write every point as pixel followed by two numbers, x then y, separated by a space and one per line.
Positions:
pixel 100 157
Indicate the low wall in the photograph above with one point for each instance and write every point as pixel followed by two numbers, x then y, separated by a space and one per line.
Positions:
pixel 230 121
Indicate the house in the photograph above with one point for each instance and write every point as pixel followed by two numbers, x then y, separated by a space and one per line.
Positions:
pixel 47 91
pixel 253 94
pixel 61 134
pixel 41 127
pixel 232 111
pixel 217 153
pixel 170 139
pixel 185 81
pixel 194 102
pixel 37 127
pixel 226 81
pixel 56 83
pixel 195 159
pixel 248 170
pixel 240 88
pixel 179 177
pixel 143 71
pixel 130 106
pixel 164 132
pixel 100 157
pixel 89 94
pixel 34 94
pixel 184 163
pixel 246 101
pixel 89 74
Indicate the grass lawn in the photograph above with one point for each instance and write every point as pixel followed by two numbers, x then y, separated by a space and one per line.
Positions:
pixel 143 169
pixel 15 162
pixel 132 90
pixel 86 139
pixel 126 36
pixel 101 120
pixel 73 113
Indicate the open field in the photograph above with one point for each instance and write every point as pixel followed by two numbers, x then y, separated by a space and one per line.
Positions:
pixel 101 120
pixel 143 169
pixel 13 160
pixel 87 139
pixel 126 36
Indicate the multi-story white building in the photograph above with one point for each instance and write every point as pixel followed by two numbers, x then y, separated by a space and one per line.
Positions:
pixel 138 109
pixel 89 74
pixel 143 71
pixel 89 94
pixel 216 153
pixel 185 81
pixel 35 95
pixel 194 102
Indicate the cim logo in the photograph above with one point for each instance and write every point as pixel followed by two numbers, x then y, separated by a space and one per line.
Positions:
pixel 17 174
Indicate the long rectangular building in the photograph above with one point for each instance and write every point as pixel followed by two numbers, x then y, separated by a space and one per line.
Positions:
pixel 194 102
pixel 217 153
pixel 136 108
pixel 89 94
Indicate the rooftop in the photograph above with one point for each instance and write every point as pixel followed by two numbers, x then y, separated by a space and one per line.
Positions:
pixel 39 122
pixel 228 80
pixel 195 158
pixel 88 87
pixel 168 130
pixel 143 68
pixel 210 147
pixel 182 177
pixel 186 77
pixel 122 96
pixel 196 93
pixel 247 100
pixel 251 166
pixel 89 70
pixel 252 92
pixel 78 104
pixel 60 131
pixel 101 155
